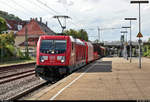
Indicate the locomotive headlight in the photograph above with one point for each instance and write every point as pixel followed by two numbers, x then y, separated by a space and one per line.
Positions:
pixel 59 57
pixel 43 58
pixel 63 59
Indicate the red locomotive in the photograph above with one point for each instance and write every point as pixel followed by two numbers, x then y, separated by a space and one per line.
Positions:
pixel 59 55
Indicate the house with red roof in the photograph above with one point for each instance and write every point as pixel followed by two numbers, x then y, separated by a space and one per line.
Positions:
pixel 14 26
pixel 33 29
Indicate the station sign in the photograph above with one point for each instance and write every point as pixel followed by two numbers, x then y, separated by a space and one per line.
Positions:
pixel 139 35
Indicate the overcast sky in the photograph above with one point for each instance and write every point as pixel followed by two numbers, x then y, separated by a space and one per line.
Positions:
pixel 85 14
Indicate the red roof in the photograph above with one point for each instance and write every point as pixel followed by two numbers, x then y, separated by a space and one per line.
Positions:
pixel 33 28
pixel 13 24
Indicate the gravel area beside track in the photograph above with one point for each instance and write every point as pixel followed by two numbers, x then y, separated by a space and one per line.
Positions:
pixel 12 88
pixel 36 91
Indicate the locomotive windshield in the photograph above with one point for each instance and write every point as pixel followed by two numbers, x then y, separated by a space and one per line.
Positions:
pixel 53 46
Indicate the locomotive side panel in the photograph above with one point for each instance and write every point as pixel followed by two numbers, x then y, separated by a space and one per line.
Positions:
pixel 90 52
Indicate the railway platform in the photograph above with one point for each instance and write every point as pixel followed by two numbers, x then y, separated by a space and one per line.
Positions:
pixel 110 78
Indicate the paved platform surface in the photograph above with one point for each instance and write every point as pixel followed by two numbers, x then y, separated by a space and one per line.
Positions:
pixel 106 79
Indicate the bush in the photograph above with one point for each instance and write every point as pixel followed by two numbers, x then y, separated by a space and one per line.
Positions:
pixel 20 54
pixel 8 51
pixel 146 51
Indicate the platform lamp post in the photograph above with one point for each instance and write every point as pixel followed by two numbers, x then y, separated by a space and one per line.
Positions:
pixel 130 37
pixel 124 32
pixel 139 34
pixel 126 27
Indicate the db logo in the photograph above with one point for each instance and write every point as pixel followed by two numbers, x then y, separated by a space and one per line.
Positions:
pixel 52 58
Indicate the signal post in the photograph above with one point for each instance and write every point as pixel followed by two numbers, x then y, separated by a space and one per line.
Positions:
pixel 139 41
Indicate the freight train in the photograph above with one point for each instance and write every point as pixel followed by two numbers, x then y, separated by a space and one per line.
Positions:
pixel 100 51
pixel 61 55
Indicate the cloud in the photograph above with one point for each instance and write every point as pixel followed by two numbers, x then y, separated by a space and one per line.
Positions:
pixel 70 3
pixel 85 14
pixel 62 1
pixel 92 1
pixel 66 2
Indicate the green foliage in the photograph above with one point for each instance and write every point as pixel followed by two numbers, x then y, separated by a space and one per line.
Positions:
pixel 149 40
pixel 3 25
pixel 146 50
pixel 9 16
pixel 8 50
pixel 7 39
pixel 20 54
pixel 72 33
pixel 81 34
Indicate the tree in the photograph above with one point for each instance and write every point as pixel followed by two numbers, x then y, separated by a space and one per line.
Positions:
pixel 7 16
pixel 3 25
pixel 7 48
pixel 72 33
pixel 81 34
pixel 149 40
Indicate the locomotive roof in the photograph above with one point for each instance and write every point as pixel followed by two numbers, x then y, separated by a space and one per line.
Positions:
pixel 89 44
pixel 78 41
pixel 53 37
pixel 72 39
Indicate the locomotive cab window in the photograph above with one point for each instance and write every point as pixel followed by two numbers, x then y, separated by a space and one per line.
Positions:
pixel 53 46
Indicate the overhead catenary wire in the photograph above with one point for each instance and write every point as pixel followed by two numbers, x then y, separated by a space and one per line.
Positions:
pixel 55 12
pixel 39 7
pixel 25 9
pixel 12 7
pixel 72 20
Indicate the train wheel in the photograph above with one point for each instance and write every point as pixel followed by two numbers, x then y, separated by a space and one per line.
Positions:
pixel 68 71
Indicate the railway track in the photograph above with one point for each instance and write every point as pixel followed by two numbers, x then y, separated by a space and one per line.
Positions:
pixel 27 91
pixel 26 84
pixel 18 79
pixel 32 89
pixel 12 77
pixel 18 66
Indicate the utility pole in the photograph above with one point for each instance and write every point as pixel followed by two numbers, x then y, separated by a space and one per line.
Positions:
pixel 1 51
pixel 130 37
pixel 98 33
pixel 26 42
pixel 139 34
pixel 1 45
pixel 63 26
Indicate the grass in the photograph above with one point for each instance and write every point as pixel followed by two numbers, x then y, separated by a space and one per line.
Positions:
pixel 14 62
